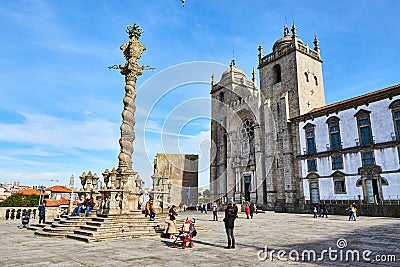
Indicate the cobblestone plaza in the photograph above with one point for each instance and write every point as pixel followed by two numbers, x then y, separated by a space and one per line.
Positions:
pixel 271 232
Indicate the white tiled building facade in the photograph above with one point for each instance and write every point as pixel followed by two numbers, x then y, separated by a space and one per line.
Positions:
pixel 351 149
pixel 280 146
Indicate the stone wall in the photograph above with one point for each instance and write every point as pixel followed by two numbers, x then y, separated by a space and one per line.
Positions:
pixel 363 210
pixel 51 212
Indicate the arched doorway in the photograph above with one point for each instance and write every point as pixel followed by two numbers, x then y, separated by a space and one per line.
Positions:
pixel 371 182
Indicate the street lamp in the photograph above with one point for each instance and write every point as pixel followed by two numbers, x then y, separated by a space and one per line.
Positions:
pixel 169 191
pixel 41 196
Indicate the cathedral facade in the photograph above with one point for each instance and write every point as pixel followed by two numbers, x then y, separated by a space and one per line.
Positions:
pixel 258 135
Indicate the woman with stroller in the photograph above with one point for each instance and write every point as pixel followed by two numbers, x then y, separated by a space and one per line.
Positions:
pixel 171 229
pixel 230 217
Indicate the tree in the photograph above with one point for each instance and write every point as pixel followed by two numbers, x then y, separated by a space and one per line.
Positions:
pixel 207 193
pixel 33 201
pixel 18 200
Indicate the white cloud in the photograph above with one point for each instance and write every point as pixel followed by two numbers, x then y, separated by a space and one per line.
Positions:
pixel 42 129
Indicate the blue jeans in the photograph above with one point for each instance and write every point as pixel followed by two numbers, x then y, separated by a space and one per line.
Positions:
pixel 88 209
pixel 78 211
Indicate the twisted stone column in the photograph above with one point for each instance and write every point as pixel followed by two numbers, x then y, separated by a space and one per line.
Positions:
pixel 132 50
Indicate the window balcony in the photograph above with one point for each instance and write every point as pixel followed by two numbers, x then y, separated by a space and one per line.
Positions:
pixel 335 147
pixel 365 142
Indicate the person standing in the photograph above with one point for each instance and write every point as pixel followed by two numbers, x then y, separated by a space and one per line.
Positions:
pixel 172 213
pixel 229 220
pixel 42 213
pixel 215 211
pixel 354 212
pixel 315 211
pixel 247 210
pixel 324 211
pixel 251 210
pixel 171 229
pixel 205 208
pixel 255 208
pixel 235 208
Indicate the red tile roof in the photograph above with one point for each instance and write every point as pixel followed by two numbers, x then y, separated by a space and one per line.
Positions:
pixel 356 98
pixel 387 92
pixel 59 189
pixel 57 203
pixel 30 191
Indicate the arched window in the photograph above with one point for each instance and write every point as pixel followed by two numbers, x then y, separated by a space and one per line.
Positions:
pixel 277 74
pixel 316 80
pixel 306 74
pixel 222 97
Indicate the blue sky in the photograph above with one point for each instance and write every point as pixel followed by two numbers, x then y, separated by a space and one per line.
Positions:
pixel 60 105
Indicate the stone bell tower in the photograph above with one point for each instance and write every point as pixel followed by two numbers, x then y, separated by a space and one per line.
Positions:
pixel 291 84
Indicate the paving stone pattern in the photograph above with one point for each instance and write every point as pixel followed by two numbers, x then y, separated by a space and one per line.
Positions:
pixel 277 231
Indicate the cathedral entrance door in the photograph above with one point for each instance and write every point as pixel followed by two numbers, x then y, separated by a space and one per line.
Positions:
pixel 372 190
pixel 314 192
pixel 247 181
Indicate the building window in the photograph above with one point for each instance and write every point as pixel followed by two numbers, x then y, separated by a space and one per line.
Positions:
pixel 340 187
pixel 364 127
pixel 312 165
pixel 395 107
pixel 337 163
pixel 310 142
pixel 306 74
pixel 367 158
pixel 334 133
pixel 396 118
pixel 277 74
pixel 222 97
pixel 310 138
pixel 316 80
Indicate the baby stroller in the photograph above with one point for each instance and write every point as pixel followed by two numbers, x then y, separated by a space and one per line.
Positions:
pixel 25 219
pixel 186 234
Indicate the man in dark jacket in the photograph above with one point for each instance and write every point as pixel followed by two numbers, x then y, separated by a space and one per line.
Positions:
pixel 42 213
pixel 230 217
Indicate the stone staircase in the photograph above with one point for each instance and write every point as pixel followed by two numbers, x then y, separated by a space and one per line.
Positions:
pixel 103 227
pixel 100 227
pixel 60 227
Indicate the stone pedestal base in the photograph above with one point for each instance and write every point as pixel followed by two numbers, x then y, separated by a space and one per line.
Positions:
pixel 118 201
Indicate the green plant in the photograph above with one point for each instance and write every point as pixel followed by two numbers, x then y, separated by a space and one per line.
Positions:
pixel 18 200
pixel 7 214
pixel 12 214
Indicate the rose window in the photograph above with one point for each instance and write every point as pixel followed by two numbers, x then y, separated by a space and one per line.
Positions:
pixel 248 129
